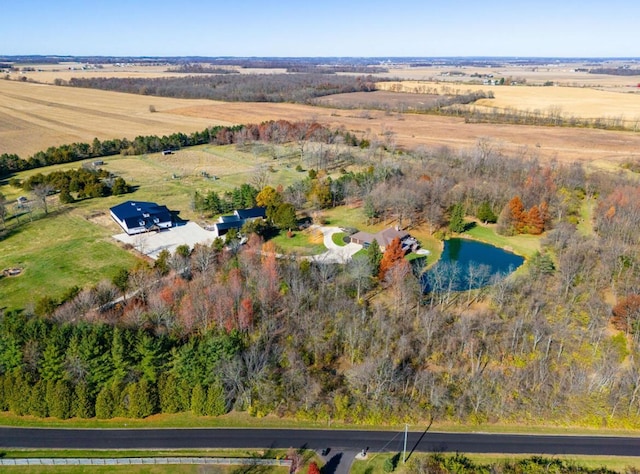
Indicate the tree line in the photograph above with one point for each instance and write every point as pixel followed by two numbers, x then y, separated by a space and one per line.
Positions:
pixel 273 131
pixel 298 88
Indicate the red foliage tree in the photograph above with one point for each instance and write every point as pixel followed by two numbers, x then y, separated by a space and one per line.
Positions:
pixel 313 468
pixel 245 314
pixel 626 314
pixel 393 254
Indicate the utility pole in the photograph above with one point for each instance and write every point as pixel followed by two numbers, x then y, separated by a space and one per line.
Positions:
pixel 404 453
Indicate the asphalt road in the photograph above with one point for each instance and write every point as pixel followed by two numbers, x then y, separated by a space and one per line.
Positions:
pixel 347 440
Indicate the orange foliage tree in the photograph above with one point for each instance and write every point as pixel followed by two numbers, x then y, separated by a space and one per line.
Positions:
pixel 392 255
pixel 626 314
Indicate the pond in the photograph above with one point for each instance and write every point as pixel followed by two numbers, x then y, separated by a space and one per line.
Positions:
pixel 467 265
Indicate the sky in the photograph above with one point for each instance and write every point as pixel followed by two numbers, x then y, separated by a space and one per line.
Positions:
pixel 369 28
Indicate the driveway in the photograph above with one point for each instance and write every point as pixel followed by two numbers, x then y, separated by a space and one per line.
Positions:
pixel 335 253
pixel 152 243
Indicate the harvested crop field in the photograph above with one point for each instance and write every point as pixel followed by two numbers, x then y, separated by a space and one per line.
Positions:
pixel 581 102
pixel 36 116
pixel 378 100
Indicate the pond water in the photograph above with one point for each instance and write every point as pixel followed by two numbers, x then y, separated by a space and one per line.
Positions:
pixel 467 265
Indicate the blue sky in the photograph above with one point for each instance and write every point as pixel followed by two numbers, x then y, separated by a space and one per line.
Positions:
pixel 561 28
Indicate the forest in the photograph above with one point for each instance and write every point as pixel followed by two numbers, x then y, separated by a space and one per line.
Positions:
pixel 217 329
pixel 299 88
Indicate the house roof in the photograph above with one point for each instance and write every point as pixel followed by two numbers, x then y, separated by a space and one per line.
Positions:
pixel 141 214
pixel 252 213
pixel 362 236
pixel 228 218
pixel 384 237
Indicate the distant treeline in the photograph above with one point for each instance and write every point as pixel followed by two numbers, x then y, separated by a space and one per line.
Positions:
pixel 196 68
pixel 615 71
pixel 319 69
pixel 233 88
pixel 279 131
pixel 540 118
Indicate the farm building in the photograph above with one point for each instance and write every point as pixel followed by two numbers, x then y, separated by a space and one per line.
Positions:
pixel 136 217
pixel 237 219
pixel 384 238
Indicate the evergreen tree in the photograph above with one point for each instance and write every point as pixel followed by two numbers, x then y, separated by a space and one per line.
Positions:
pixel 83 404
pixel 169 394
pixel 52 367
pixel 105 403
pixel 216 404
pixel 119 357
pixel 485 213
pixel 374 254
pixel 149 354
pixel 17 392
pixel 60 403
pixel 4 401
pixel 142 399
pixel 198 400
pixel 162 262
pixel 456 221
pixel 38 399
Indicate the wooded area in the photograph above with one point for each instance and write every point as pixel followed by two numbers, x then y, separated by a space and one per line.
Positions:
pixel 234 87
pixel 216 330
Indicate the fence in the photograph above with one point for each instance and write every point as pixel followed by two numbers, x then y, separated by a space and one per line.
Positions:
pixel 141 461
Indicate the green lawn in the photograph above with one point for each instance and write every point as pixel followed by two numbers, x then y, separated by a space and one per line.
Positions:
pixel 302 243
pixel 56 253
pixel 375 461
pixel 338 238
pixel 525 245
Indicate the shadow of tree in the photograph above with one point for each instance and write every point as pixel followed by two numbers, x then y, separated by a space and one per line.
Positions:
pixel 332 464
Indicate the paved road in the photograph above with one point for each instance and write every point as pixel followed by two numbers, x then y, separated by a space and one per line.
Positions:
pixel 338 440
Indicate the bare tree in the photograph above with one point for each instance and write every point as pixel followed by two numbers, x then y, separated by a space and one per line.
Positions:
pixel 42 191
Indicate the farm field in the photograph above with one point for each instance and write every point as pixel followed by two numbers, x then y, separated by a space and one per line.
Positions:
pixel 36 116
pixel 580 102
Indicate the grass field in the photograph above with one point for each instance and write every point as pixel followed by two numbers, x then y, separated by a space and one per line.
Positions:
pixel 57 253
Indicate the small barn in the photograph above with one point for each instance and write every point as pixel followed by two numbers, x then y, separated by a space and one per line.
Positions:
pixel 136 217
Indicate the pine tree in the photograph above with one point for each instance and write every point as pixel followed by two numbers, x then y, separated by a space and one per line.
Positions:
pixel 38 399
pixel 485 213
pixel 198 400
pixel 83 404
pixel 216 404
pixel 374 254
pixel 60 404
pixel 105 403
pixel 169 394
pixel 456 221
